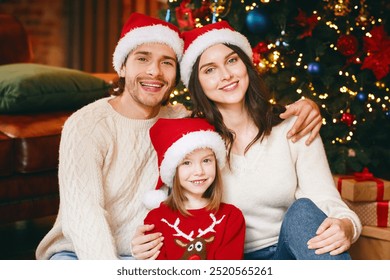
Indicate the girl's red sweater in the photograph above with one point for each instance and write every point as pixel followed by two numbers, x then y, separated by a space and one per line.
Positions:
pixel 204 235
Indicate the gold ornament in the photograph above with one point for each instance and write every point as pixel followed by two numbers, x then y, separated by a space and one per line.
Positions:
pixel 220 7
pixel 363 19
pixel 263 66
pixel 341 8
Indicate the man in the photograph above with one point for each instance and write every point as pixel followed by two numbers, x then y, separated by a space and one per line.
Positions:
pixel 106 160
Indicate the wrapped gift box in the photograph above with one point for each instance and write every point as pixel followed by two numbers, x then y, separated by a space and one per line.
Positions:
pixel 362 187
pixel 373 244
pixel 371 213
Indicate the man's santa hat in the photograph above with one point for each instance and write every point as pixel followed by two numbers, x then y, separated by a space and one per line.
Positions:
pixel 173 139
pixel 197 40
pixel 140 29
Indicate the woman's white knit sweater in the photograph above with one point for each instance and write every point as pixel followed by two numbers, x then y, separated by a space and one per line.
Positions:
pixel 273 174
pixel 106 164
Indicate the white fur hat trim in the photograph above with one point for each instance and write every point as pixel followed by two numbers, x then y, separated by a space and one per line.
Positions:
pixel 185 145
pixel 148 34
pixel 208 39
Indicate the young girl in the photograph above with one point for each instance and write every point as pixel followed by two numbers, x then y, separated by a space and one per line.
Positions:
pixel 193 221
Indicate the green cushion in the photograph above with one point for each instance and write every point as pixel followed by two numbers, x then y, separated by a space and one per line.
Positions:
pixel 29 87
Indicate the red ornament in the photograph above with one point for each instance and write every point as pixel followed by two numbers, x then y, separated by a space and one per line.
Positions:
pixel 259 49
pixel 347 118
pixel 256 57
pixel 347 45
pixel 184 16
pixel 377 47
pixel 308 23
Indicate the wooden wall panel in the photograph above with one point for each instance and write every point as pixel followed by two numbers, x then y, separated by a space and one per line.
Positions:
pixel 88 38
pixel 94 30
pixel 148 7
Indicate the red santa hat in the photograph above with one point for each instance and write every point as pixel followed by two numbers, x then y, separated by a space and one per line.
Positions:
pixel 197 40
pixel 173 139
pixel 140 29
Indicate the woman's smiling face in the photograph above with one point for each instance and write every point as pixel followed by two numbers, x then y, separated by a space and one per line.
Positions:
pixel 223 75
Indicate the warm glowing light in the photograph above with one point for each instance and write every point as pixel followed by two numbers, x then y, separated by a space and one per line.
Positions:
pixel 343 89
pixel 323 96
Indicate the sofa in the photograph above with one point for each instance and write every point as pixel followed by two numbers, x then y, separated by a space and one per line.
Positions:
pixel 35 101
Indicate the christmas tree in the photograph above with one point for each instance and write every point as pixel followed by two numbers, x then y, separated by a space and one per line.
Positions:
pixel 335 52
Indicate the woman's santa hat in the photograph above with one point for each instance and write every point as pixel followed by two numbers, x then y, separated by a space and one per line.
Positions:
pixel 197 40
pixel 173 139
pixel 140 29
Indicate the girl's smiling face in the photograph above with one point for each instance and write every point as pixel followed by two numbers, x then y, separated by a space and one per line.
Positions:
pixel 197 172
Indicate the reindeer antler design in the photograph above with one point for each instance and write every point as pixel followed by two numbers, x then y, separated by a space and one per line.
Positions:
pixel 179 232
pixel 201 232
pixel 211 227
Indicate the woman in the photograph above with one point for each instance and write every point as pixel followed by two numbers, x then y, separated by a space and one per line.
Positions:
pixel 285 190
pixel 273 181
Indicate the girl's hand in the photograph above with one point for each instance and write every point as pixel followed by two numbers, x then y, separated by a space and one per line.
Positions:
pixel 334 236
pixel 309 120
pixel 146 246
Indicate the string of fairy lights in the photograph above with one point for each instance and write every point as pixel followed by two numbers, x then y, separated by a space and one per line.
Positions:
pixel 341 8
pixel 374 96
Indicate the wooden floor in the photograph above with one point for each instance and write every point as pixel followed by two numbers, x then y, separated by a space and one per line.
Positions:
pixel 19 240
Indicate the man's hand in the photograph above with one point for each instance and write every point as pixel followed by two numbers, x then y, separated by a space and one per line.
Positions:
pixel 309 120
pixel 146 246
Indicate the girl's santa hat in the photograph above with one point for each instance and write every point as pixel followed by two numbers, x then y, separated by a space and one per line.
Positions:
pixel 173 139
pixel 140 29
pixel 197 40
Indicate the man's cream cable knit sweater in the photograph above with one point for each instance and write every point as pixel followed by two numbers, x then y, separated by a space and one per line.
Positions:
pixel 106 164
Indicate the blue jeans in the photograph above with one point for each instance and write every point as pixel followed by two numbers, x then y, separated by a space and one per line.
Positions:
pixel 68 255
pixel 300 224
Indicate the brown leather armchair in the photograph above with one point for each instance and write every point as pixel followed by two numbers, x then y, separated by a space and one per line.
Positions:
pixel 28 165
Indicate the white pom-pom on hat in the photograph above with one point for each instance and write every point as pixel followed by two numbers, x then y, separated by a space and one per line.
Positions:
pixel 153 198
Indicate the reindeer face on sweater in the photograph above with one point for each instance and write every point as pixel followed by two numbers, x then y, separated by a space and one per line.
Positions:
pixel 195 248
